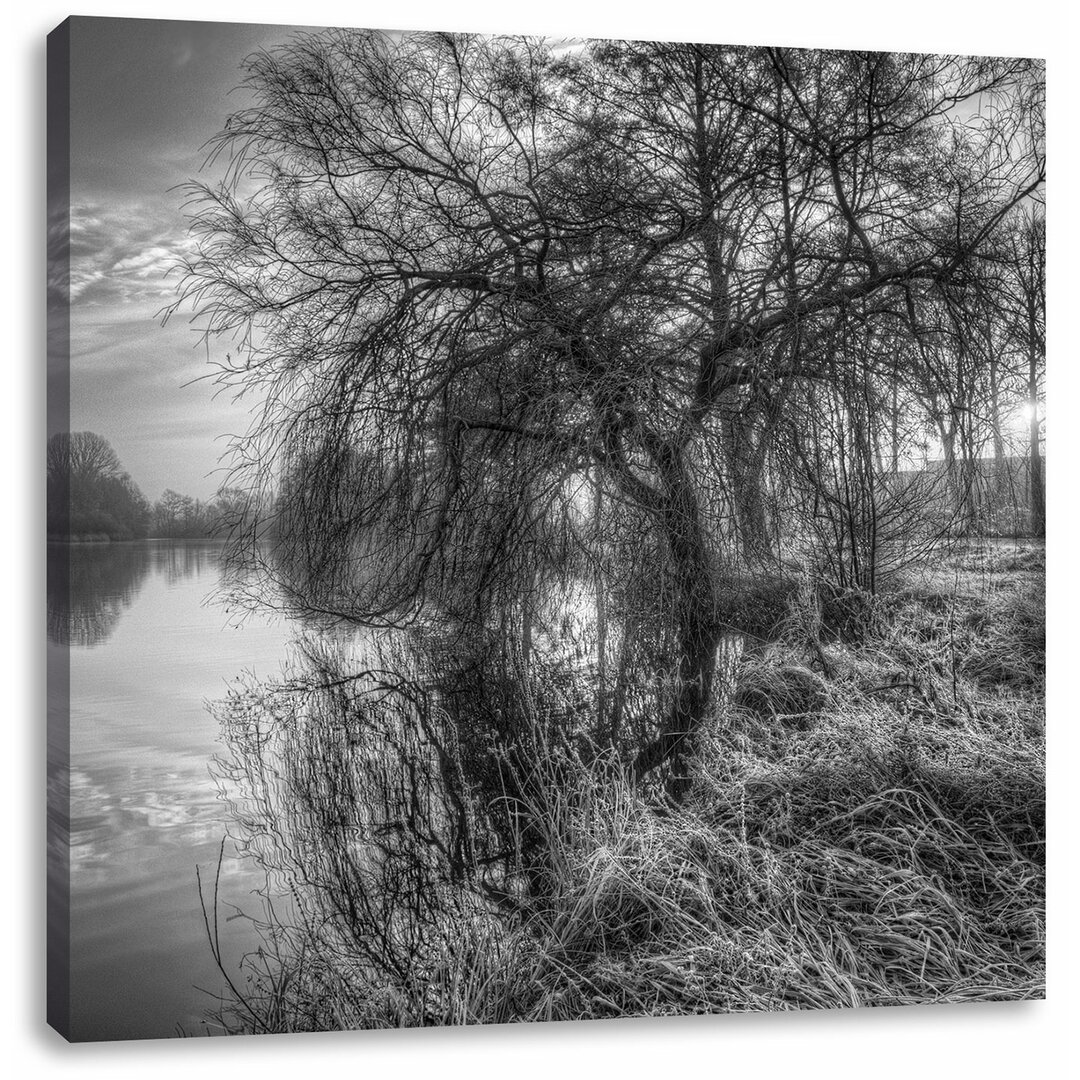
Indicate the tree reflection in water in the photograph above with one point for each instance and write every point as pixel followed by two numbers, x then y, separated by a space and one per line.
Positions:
pixel 402 801
pixel 89 586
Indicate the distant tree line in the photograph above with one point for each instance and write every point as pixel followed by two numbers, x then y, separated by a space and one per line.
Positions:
pixel 89 495
pixel 184 518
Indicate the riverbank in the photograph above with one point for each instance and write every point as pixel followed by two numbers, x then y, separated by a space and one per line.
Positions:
pixel 865 826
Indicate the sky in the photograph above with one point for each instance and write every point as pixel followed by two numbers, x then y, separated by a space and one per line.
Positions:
pixel 145 97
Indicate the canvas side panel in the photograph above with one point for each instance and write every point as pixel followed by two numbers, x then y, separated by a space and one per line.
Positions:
pixel 58 200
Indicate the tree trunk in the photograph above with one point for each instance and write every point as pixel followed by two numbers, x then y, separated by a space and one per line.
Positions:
pixel 600 585
pixel 1035 464
pixel 999 498
pixel 746 471
pixel 995 421
pixel 697 632
pixel 959 490
pixel 894 430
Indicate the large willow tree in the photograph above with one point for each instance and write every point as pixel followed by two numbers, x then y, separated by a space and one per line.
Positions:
pixel 466 273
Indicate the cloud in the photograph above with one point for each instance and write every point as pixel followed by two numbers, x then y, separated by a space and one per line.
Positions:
pixel 149 390
pixel 145 261
pixel 122 254
pixel 134 381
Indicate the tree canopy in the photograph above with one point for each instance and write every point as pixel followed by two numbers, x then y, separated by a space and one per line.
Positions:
pixel 88 492
pixel 471 275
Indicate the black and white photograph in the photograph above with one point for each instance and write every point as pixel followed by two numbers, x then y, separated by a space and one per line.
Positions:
pixel 540 528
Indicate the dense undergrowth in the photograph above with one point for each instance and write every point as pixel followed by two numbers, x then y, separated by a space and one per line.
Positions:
pixel 864 826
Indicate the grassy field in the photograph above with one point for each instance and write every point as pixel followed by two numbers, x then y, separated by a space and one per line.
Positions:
pixel 865 826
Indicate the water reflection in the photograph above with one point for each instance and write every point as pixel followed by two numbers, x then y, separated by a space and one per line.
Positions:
pixel 89 587
pixel 177 560
pixel 402 790
pixel 137 811
pixel 413 792
pixel 393 788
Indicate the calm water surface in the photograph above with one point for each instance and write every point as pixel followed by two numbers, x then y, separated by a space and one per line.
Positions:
pixel 148 649
pixel 150 644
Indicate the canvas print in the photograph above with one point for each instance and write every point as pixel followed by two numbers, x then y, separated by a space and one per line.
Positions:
pixel 539 529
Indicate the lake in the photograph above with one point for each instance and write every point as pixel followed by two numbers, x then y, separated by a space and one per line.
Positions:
pixel 148 649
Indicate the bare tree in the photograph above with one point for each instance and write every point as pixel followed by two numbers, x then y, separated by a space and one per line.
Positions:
pixel 466 273
pixel 88 491
pixel 81 456
pixel 1026 290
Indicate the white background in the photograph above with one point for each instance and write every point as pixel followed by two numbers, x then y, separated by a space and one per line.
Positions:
pixel 1005 1040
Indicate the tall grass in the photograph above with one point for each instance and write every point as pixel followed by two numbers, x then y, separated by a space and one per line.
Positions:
pixel 865 826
